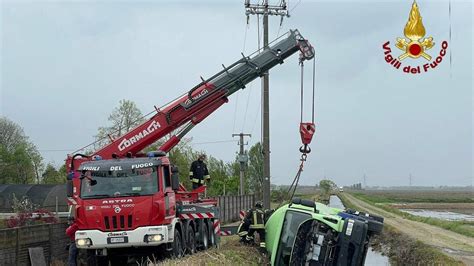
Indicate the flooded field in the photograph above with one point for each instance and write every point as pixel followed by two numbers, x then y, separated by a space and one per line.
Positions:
pixel 444 215
pixel 373 257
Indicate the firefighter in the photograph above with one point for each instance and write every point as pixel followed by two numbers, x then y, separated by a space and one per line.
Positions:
pixel 198 173
pixel 253 222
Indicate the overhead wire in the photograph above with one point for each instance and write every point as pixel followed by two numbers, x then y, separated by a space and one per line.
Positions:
pixel 214 142
pixel 295 6
pixel 247 105
pixel 237 97
pixel 235 111
pixel 135 121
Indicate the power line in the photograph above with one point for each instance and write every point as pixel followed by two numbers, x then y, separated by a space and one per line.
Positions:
pixel 266 10
pixel 55 150
pixel 247 105
pixel 214 142
pixel 235 110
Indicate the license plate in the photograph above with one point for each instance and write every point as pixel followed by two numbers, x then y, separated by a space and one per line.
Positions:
pixel 117 240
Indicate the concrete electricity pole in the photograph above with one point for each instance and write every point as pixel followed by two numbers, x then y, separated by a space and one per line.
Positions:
pixel 277 10
pixel 243 159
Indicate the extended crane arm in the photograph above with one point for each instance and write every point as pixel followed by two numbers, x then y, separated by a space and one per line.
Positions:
pixel 205 98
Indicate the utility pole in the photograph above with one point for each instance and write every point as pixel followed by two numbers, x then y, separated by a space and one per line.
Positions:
pixel 243 159
pixel 276 10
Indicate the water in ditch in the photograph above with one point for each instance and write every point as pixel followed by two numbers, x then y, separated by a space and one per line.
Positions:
pixel 373 258
pixel 443 215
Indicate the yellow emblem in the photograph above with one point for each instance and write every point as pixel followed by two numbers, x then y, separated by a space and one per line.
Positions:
pixel 414 30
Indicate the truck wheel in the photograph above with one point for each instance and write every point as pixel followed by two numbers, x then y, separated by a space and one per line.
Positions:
pixel 212 236
pixel 177 251
pixel 205 237
pixel 375 226
pixel 191 240
pixel 375 223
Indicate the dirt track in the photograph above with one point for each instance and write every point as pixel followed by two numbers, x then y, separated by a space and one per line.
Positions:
pixel 453 244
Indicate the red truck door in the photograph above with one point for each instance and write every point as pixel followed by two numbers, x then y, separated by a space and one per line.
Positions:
pixel 169 195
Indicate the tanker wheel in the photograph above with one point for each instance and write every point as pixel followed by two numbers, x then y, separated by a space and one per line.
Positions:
pixel 191 240
pixel 177 249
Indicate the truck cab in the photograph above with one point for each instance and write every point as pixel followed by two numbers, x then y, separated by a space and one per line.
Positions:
pixel 305 232
pixel 125 202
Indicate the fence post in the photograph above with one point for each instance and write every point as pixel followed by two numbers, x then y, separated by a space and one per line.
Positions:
pixel 50 232
pixel 235 214
pixel 224 210
pixel 17 250
pixel 240 204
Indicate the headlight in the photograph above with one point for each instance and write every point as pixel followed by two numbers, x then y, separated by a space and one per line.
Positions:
pixel 154 238
pixel 81 242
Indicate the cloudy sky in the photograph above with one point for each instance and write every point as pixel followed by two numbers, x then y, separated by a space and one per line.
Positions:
pixel 66 64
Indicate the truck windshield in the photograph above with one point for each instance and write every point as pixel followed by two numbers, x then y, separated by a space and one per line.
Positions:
pixel 291 224
pixel 104 184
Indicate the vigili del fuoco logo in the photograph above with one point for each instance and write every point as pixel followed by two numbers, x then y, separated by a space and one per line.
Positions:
pixel 415 46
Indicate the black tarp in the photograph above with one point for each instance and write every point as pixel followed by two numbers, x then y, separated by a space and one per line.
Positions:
pixel 43 196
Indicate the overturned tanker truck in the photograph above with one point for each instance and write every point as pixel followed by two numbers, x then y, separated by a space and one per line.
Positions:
pixel 305 232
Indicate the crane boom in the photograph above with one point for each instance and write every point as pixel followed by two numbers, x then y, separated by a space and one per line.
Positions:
pixel 203 99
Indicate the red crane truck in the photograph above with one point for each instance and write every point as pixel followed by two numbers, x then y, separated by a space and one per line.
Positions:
pixel 125 201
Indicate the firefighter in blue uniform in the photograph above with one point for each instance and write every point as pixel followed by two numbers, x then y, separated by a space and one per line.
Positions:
pixel 253 222
pixel 198 173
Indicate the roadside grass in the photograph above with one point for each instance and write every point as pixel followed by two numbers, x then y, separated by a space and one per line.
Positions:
pixel 404 250
pixel 230 252
pixel 462 227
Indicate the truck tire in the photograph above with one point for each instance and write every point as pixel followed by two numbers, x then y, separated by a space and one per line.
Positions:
pixel 191 240
pixel 177 246
pixel 212 235
pixel 204 237
pixel 363 214
pixel 375 223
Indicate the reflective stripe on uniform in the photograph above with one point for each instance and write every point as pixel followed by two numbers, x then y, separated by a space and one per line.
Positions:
pixel 256 224
pixel 243 233
pixel 262 244
pixel 190 173
pixel 207 177
pixel 196 180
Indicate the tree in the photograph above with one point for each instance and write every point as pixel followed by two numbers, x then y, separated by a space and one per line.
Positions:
pixel 326 185
pixel 123 119
pixel 53 176
pixel 20 160
pixel 255 170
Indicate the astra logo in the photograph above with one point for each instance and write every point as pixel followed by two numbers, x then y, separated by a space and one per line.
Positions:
pixel 125 143
pixel 112 201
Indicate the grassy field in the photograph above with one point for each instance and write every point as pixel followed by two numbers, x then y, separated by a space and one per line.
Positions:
pixel 413 196
pixel 384 199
